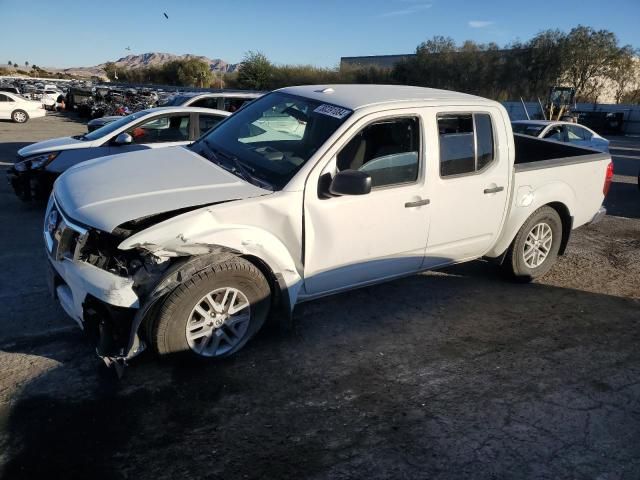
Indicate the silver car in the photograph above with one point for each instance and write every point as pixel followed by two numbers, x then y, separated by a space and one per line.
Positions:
pixel 567 132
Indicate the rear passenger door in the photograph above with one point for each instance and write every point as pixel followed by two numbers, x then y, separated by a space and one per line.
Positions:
pixel 469 184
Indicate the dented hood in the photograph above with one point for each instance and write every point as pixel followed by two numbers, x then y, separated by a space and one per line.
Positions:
pixel 109 191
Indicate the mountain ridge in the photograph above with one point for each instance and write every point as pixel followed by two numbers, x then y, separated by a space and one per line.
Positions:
pixel 149 59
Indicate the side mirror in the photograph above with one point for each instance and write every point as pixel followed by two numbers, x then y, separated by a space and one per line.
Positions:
pixel 123 139
pixel 350 182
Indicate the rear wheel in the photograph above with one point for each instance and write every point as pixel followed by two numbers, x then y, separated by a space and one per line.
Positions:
pixel 19 116
pixel 215 313
pixel 535 248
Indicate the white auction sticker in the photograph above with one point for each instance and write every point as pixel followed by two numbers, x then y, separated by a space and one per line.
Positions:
pixel 332 111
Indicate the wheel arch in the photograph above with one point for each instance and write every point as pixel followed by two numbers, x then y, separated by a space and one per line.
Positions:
pixel 557 195
pixel 567 223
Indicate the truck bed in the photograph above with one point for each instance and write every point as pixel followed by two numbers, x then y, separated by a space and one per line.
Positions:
pixel 547 172
pixel 535 153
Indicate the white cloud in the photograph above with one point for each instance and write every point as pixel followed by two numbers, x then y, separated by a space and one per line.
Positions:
pixel 480 23
pixel 417 6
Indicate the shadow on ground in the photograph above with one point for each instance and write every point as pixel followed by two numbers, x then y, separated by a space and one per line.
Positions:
pixel 457 374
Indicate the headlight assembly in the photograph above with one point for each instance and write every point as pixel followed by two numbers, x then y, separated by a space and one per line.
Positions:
pixel 41 161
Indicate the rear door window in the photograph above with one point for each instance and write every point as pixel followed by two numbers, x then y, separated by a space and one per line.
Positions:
pixel 578 134
pixel 207 122
pixel 466 143
pixel 232 104
pixel 207 102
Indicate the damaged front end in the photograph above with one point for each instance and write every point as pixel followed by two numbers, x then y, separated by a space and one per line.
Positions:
pixel 111 292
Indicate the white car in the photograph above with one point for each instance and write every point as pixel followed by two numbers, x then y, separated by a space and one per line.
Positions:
pixel 19 109
pixel 49 97
pixel 229 100
pixel 39 164
pixel 567 132
pixel 191 249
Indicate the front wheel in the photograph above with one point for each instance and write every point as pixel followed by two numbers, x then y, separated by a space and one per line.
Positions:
pixel 19 116
pixel 535 248
pixel 215 313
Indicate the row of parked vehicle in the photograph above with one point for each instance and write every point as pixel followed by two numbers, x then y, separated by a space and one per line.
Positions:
pixel 299 193
pixel 182 120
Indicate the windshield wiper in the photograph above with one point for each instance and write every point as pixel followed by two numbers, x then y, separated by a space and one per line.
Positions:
pixel 239 168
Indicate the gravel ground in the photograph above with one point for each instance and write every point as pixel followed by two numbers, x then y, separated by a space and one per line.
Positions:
pixel 462 375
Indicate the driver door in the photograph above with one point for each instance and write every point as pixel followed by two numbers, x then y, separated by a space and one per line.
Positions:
pixel 352 240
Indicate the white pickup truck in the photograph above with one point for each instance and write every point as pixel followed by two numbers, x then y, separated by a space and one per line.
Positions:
pixel 306 192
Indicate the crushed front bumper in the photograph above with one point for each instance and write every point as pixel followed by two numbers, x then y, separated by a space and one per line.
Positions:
pixel 31 184
pixel 100 302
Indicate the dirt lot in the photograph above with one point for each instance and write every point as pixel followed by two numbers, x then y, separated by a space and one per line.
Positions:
pixel 453 374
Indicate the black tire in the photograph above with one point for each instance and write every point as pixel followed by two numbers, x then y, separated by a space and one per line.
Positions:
pixel 168 332
pixel 19 116
pixel 514 262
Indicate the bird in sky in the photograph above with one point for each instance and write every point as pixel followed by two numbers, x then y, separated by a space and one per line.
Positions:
pixel 128 48
pixel 166 16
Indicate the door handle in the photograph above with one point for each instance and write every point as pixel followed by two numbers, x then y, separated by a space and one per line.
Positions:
pixel 417 203
pixel 493 190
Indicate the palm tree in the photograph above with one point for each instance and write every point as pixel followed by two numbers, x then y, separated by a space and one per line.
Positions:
pixel 26 64
pixel 9 63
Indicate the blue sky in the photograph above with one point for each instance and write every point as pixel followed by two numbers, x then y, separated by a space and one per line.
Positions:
pixel 82 33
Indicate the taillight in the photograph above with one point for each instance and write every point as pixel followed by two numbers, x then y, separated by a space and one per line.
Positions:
pixel 607 179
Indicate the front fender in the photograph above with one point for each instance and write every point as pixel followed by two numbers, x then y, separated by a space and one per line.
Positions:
pixel 195 234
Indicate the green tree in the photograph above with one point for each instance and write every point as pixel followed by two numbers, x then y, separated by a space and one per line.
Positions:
pixel 110 70
pixel 10 63
pixel 589 57
pixel 543 64
pixel 255 71
pixel 194 72
pixel 26 64
pixel 625 72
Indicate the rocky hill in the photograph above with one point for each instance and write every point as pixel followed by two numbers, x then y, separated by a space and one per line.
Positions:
pixel 158 58
pixel 148 60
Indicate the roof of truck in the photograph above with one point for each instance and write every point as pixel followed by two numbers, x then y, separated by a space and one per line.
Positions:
pixel 359 96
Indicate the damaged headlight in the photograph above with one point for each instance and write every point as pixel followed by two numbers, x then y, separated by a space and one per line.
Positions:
pixel 100 249
pixel 39 161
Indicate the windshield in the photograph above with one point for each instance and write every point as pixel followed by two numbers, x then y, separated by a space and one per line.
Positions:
pixel 527 129
pixel 271 138
pixel 113 126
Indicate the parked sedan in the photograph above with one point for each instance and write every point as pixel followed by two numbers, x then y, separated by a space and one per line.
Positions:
pixel 567 132
pixel 97 123
pixel 39 164
pixel 19 109
pixel 229 100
